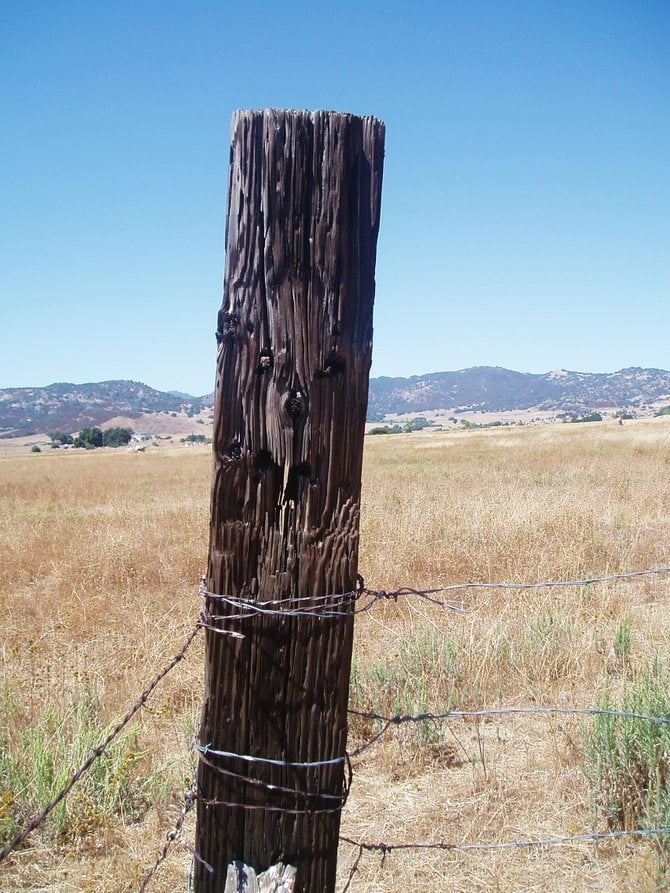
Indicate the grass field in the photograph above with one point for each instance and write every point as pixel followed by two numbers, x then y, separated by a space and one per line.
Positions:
pixel 101 555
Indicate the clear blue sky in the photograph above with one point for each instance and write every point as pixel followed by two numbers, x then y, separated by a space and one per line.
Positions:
pixel 526 199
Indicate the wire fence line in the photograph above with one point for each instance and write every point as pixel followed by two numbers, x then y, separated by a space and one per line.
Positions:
pixel 584 581
pixel 173 835
pixel 360 600
pixel 386 849
pixel 587 837
pixel 389 722
pixel 363 599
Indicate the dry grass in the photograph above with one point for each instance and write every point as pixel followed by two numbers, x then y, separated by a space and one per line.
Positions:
pixel 101 553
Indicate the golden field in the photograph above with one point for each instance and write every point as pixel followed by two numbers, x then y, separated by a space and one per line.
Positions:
pixel 101 555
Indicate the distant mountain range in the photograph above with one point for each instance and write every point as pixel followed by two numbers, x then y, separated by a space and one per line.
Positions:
pixel 493 389
pixel 70 407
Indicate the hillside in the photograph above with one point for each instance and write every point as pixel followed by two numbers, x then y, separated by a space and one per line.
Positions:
pixel 493 389
pixel 70 407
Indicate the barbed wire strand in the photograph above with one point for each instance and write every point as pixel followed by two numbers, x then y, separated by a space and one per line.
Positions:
pixel 319 606
pixel 97 751
pixel 173 835
pixel 310 764
pixel 399 719
pixel 263 807
pixel 584 581
pixel 589 837
pixel 324 607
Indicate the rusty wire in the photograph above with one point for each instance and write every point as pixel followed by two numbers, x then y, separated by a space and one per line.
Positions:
pixel 362 599
pixel 172 835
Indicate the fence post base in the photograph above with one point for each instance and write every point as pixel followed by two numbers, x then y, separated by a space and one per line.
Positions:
pixel 242 878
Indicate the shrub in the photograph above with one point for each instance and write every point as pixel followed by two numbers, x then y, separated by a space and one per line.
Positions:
pixel 628 760
pixel 590 417
pixel 380 430
pixel 36 762
pixel 423 677
pixel 623 641
pixel 418 424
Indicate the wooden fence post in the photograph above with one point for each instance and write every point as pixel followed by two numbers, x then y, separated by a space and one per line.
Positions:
pixel 295 343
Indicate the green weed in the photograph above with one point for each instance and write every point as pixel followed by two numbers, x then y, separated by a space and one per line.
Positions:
pixel 623 642
pixel 628 760
pixel 423 677
pixel 36 762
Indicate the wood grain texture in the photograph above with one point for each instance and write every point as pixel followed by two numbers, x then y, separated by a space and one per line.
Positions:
pixel 295 344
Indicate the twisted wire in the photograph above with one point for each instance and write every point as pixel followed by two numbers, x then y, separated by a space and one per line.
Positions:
pixel 589 837
pixel 173 835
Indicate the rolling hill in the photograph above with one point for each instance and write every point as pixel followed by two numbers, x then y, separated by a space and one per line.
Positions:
pixel 493 389
pixel 69 407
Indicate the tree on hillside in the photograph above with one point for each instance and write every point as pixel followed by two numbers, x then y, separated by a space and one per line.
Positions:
pixel 115 437
pixel 61 437
pixel 89 438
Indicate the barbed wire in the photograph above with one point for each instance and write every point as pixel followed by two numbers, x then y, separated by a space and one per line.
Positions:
pixel 97 751
pixel 548 584
pixel 400 719
pixel 588 837
pixel 357 601
pixel 173 835
pixel 362 599
pixel 340 799
pixel 265 807
pixel 291 764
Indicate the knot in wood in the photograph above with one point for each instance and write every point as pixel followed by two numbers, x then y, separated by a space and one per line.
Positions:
pixel 266 361
pixel 228 325
pixel 295 406
pixel 233 452
pixel 335 364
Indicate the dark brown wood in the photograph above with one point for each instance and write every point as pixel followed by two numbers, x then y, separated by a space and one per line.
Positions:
pixel 295 344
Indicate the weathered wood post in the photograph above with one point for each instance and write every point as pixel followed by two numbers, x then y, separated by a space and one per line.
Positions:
pixel 295 342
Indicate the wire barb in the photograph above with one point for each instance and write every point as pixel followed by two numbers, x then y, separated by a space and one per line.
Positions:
pixel 172 835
